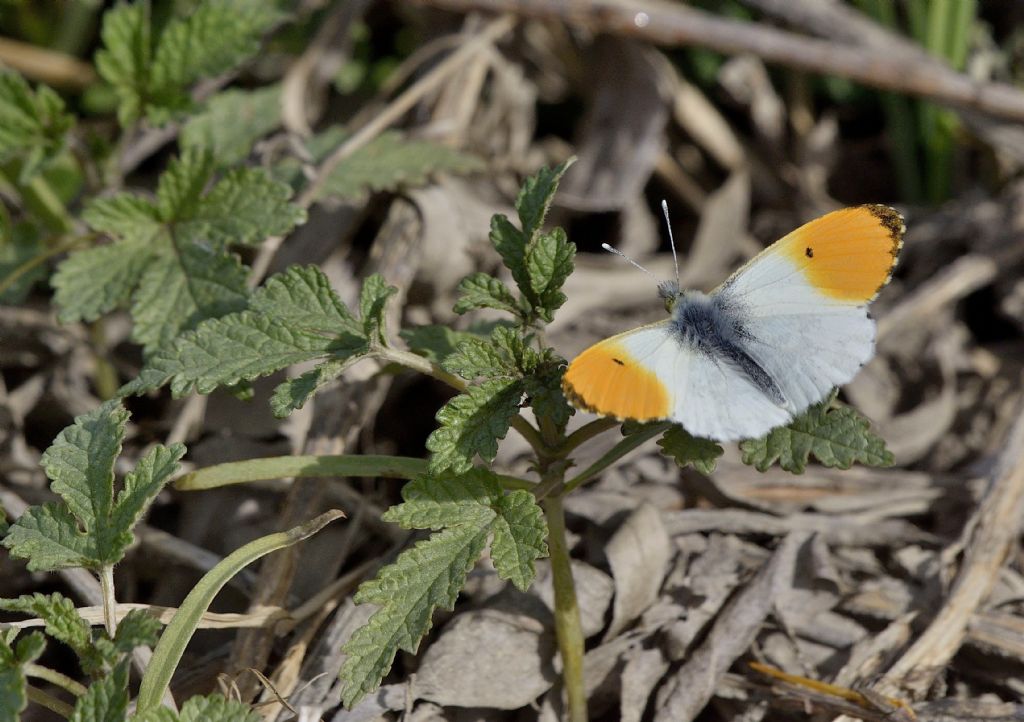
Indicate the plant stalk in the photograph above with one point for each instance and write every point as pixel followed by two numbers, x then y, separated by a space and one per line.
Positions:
pixel 53 704
pixel 568 628
pixel 109 601
pixel 55 678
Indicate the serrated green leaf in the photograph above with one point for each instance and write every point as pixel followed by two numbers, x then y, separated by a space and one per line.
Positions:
pixel 13 698
pixel 138 628
pixel 182 184
pixel 123 215
pixel 92 530
pixel 481 290
pixel 63 623
pixel 544 391
pixel 535 198
pixel 48 536
pixel 33 125
pixel 503 355
pixel 422 579
pixel 124 60
pixel 837 437
pixel 232 122
pixel 520 535
pixel 224 351
pixel 302 297
pixel 244 207
pixel 143 483
pixel 176 292
pixel 467 507
pixel 702 454
pixel 97 280
pixel 445 500
pixel 389 162
pixel 373 299
pixel 174 254
pixel 294 393
pixel 472 423
pixel 152 79
pixel 549 261
pixel 106 700
pixel 510 243
pixel 216 36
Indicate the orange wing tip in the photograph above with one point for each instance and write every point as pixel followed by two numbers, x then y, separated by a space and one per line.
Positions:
pixel 606 380
pixel 848 254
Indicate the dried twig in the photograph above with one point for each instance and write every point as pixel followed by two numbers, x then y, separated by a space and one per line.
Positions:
pixel 677 24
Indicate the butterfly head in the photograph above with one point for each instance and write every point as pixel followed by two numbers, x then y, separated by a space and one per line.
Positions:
pixel 668 291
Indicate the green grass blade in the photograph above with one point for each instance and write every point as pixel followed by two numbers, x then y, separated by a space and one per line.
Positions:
pixel 179 632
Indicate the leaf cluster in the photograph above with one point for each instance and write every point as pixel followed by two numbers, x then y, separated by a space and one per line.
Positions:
pixel 151 67
pixel 294 317
pixel 92 526
pixel 464 509
pixel 170 256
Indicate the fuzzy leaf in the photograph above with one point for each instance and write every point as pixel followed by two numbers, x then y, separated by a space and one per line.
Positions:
pixel 520 535
pixel 232 122
pixel 295 317
pixel 97 280
pixel 372 302
pixel 302 297
pixel 481 290
pixel 137 629
pixel 472 423
pixel 173 254
pixel 152 79
pixel 63 623
pixel 702 454
pixel 30 121
pixel 92 529
pixel 837 437
pixel 504 355
pixel 422 579
pixel 390 162
pixel 19 244
pixel 294 393
pixel 225 351
pixel 13 697
pixel 468 508
pixel 549 261
pixel 176 292
pixel 511 243
pixel 535 198
pixel 106 700
pixel 124 60
pixel 544 390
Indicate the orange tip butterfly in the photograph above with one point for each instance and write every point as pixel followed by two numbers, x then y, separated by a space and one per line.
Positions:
pixel 775 338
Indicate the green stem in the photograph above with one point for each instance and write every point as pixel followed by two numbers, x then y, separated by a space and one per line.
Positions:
pixel 615 453
pixel 582 435
pixel 240 472
pixel 104 373
pixel 48 204
pixel 568 628
pixel 55 678
pixel 53 704
pixel 109 601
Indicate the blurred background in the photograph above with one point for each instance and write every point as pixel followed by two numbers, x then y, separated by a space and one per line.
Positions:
pixel 749 117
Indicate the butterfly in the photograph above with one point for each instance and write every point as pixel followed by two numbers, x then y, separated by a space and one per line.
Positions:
pixel 775 338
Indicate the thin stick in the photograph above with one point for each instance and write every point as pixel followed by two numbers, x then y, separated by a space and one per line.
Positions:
pixel 677 24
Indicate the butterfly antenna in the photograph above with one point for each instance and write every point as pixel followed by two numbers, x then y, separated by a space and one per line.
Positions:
pixel 671 240
pixel 617 252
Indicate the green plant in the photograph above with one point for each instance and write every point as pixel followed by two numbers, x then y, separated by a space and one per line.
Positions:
pixel 297 317
pixel 204 320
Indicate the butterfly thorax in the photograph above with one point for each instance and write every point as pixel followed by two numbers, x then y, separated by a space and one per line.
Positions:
pixel 710 326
